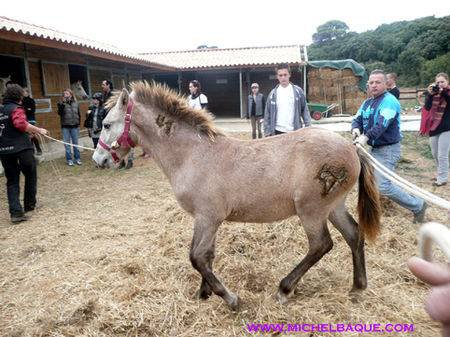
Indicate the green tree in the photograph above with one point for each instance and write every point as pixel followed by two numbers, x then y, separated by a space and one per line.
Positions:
pixel 330 31
pixel 416 50
pixel 432 67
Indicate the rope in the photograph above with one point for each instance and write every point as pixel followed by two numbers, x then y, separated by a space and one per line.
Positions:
pixel 52 161
pixel 411 188
pixel 433 232
pixel 79 146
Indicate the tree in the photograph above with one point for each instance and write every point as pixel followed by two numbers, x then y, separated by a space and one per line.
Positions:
pixel 416 50
pixel 330 31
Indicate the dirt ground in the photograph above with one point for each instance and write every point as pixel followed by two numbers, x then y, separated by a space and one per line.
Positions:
pixel 107 255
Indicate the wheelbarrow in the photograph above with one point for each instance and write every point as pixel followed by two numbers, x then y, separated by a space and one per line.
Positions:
pixel 320 110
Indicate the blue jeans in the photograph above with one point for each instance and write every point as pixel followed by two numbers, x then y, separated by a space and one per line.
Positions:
pixel 68 135
pixel 388 156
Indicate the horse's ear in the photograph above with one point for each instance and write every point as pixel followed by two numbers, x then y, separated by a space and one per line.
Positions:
pixel 124 98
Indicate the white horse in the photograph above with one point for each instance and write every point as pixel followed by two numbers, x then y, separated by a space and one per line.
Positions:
pixel 78 90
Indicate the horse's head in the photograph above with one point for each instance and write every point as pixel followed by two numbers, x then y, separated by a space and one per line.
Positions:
pixel 115 139
pixel 78 90
pixel 3 81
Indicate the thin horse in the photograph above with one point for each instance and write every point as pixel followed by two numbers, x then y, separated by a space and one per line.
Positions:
pixel 308 172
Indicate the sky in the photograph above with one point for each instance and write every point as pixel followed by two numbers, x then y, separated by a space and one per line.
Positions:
pixel 149 26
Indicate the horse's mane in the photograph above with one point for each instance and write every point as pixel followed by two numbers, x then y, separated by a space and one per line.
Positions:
pixel 171 104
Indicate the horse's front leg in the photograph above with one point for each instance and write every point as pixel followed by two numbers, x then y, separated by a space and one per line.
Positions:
pixel 202 255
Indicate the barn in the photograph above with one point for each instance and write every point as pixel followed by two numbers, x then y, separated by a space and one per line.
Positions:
pixel 226 74
pixel 47 62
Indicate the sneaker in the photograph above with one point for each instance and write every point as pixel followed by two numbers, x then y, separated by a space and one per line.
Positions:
pixel 419 217
pixel 32 208
pixel 78 162
pixel 439 184
pixel 129 165
pixel 18 218
pixel 70 163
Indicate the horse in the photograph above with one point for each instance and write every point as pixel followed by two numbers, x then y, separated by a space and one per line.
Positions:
pixel 214 177
pixel 3 81
pixel 78 90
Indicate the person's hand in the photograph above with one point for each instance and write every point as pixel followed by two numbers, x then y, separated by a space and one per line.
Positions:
pixel 362 140
pixel 437 303
pixel 42 131
pixel 430 89
pixel 355 133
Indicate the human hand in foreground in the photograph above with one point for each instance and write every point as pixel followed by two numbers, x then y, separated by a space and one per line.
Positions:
pixel 437 303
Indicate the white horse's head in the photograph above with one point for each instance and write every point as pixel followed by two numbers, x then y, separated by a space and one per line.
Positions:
pixel 3 81
pixel 78 90
pixel 111 142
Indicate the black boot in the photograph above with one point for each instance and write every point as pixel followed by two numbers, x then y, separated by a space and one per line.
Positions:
pixel 122 164
pixel 129 164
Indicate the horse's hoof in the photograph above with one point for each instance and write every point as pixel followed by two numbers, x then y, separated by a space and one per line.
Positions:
pixel 203 294
pixel 234 303
pixel 281 297
pixel 355 294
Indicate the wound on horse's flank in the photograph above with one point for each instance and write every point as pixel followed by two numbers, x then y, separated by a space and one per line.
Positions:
pixel 330 177
pixel 165 123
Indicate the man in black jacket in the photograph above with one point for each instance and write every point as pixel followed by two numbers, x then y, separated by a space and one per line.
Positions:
pixel 16 153
pixel 29 105
pixel 391 85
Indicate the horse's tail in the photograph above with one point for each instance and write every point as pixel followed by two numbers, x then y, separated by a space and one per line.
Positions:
pixel 369 206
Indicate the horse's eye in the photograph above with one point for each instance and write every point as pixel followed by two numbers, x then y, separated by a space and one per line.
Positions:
pixel 106 126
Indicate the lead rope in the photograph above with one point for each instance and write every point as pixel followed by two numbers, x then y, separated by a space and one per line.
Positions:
pixel 410 187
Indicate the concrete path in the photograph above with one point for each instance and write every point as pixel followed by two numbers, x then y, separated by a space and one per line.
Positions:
pixel 338 124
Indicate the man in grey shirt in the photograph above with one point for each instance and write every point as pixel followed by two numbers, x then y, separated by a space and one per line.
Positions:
pixel 286 108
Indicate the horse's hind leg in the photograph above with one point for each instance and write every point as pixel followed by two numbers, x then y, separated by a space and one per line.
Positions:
pixel 320 243
pixel 349 229
pixel 202 254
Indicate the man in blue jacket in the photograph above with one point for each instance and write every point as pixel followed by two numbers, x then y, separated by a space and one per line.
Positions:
pixel 377 123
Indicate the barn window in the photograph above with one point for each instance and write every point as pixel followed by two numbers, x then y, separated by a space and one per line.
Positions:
pixel 272 77
pixel 55 78
pixel 221 81
pixel 97 76
pixel 79 80
pixel 118 80
pixel 12 69
pixel 133 77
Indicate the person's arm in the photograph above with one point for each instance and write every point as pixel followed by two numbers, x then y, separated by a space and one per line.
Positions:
pixel 385 118
pixel 304 112
pixel 267 116
pixel 357 122
pixel 32 105
pixel 60 106
pixel 444 93
pixel 203 101
pixel 428 101
pixel 19 120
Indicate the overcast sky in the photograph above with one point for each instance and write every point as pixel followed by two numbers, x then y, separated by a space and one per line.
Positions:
pixel 143 26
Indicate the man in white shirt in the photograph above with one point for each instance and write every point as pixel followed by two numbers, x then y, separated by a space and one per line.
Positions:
pixel 286 108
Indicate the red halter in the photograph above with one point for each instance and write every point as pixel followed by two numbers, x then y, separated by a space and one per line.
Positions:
pixel 124 140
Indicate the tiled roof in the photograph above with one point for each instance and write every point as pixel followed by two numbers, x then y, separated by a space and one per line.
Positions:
pixel 7 24
pixel 230 57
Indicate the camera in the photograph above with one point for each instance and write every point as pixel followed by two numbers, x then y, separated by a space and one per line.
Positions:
pixel 435 88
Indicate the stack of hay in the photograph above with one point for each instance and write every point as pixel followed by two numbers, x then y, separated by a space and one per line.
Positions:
pixel 328 86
